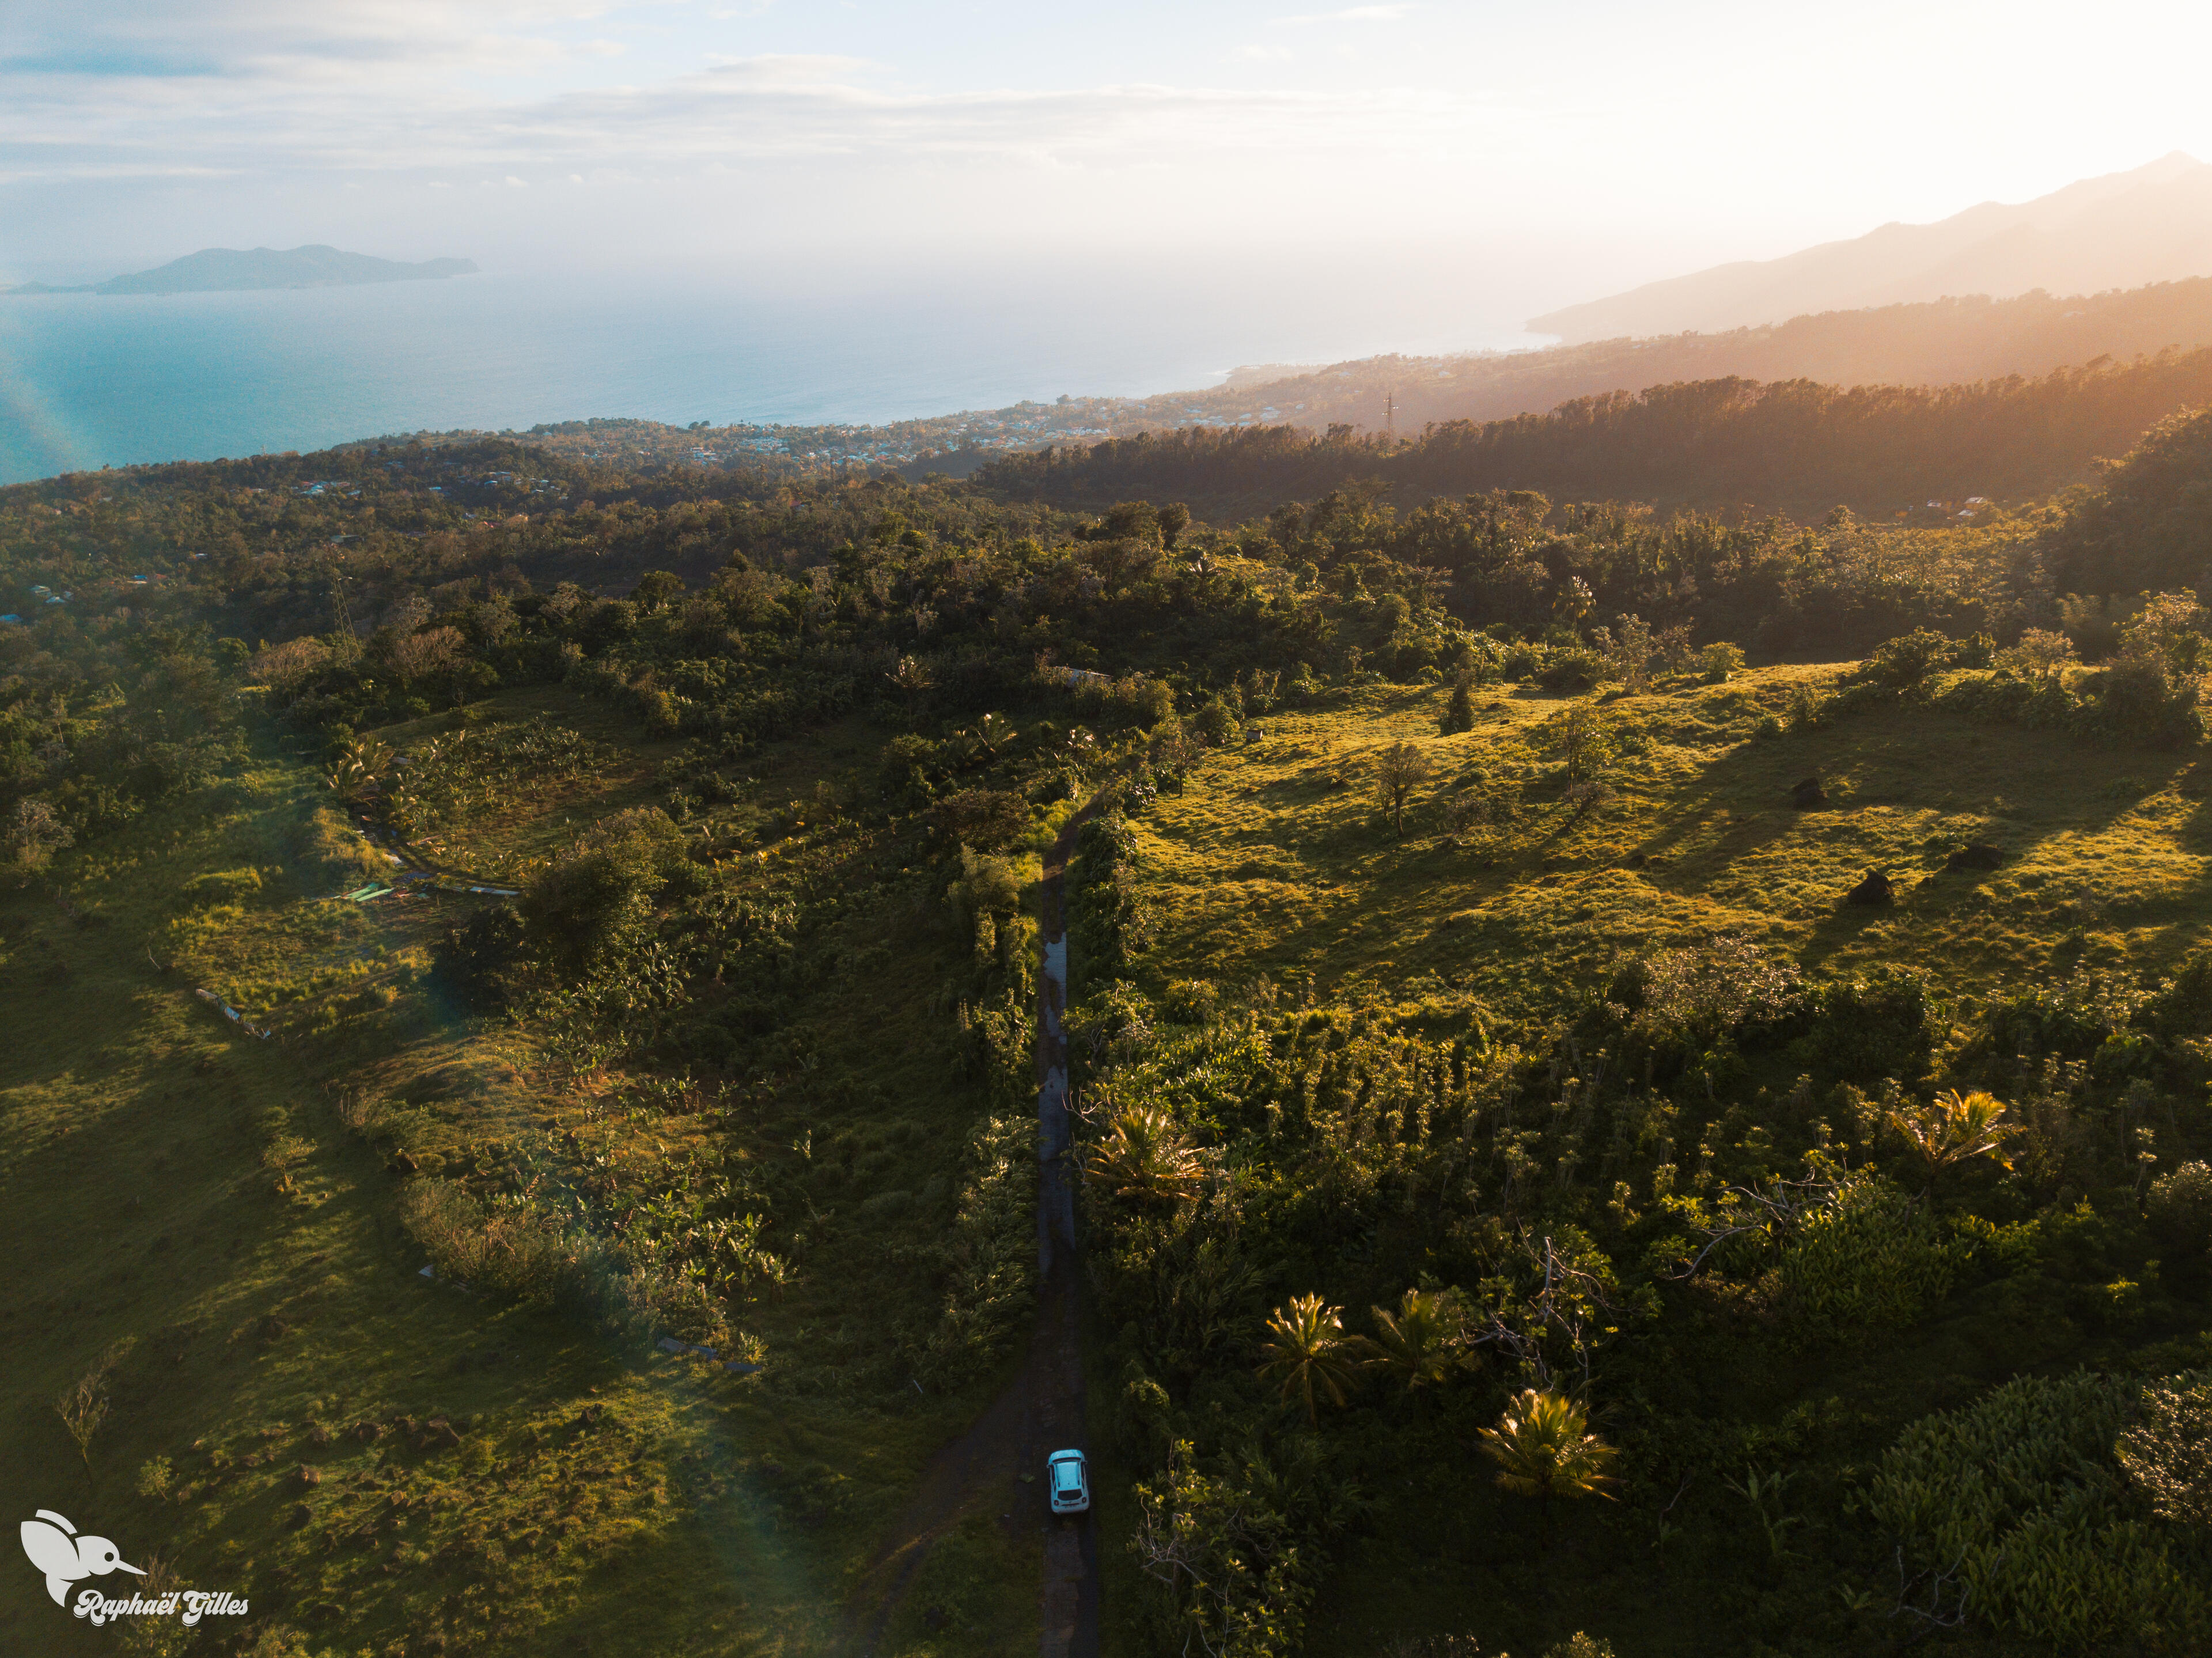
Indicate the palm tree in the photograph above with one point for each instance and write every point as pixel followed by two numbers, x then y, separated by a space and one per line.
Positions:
pixel 1419 1344
pixel 913 679
pixel 1310 1351
pixel 1952 1128
pixel 1544 1449
pixel 1144 1160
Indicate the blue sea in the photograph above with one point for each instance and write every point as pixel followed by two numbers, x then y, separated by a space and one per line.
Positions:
pixel 88 381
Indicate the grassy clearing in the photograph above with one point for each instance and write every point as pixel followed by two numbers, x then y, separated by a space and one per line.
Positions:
pixel 1277 860
pixel 220 1213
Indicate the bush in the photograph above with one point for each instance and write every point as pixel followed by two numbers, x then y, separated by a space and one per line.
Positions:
pixel 329 851
pixel 1869 1030
pixel 223 886
pixel 2136 701
pixel 1214 724
pixel 1720 661
pixel 597 895
pixel 1566 672
pixel 1908 660
pixel 2179 1211
pixel 983 818
pixel 2020 1496
pixel 1869 1257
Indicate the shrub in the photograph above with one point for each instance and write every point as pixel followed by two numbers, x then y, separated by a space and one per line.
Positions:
pixel 1869 1257
pixel 1459 712
pixel 1907 660
pixel 597 895
pixel 1571 670
pixel 329 852
pixel 1720 661
pixel 2179 1210
pixel 2167 1453
pixel 984 818
pixel 2137 701
pixel 2020 1496
pixel 1214 724
pixel 223 886
pixel 1871 1029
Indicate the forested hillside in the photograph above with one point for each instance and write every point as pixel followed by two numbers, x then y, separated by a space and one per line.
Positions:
pixel 1795 446
pixel 1937 343
pixel 1617 1052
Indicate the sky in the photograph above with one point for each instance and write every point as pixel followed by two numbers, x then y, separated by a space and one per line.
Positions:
pixel 1506 157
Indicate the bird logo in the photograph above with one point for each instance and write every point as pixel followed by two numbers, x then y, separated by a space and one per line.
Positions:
pixel 56 1549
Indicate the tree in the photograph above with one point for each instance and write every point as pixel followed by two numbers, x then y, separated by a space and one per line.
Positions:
pixel 1459 712
pixel 1422 1343
pixel 913 680
pixel 1144 1161
pixel 36 833
pixel 1587 741
pixel 1721 661
pixel 1400 768
pixel 1311 1352
pixel 656 590
pixel 596 897
pixel 985 819
pixel 2042 654
pixel 82 1406
pixel 1952 1128
pixel 1630 657
pixel 1544 1449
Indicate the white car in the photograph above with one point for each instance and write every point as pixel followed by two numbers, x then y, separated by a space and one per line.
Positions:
pixel 1068 1477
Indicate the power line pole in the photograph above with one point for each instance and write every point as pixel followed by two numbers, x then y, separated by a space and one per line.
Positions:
pixel 339 613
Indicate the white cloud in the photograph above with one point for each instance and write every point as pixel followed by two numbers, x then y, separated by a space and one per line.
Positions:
pixel 748 110
pixel 1393 13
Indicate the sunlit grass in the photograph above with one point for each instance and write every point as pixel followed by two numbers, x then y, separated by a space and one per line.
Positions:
pixel 199 1193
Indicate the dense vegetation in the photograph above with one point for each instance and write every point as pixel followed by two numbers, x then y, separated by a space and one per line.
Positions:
pixel 1515 1175
pixel 1797 445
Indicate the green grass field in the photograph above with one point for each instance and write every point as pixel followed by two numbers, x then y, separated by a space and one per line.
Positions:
pixel 1278 860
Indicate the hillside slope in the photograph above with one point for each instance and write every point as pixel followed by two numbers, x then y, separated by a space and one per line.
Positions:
pixel 1487 1091
pixel 2151 224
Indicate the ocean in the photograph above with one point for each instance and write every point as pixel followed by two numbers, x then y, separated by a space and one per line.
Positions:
pixel 89 381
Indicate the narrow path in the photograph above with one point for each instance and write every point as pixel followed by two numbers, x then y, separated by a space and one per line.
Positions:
pixel 1041 1410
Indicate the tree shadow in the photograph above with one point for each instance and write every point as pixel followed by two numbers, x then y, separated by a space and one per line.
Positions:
pixel 2021 787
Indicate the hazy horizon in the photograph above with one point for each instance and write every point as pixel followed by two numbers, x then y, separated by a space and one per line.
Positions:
pixel 1540 160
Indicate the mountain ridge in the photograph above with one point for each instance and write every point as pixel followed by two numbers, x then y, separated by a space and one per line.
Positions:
pixel 2128 229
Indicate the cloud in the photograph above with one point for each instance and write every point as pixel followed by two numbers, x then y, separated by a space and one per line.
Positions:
pixel 1391 14
pixel 748 110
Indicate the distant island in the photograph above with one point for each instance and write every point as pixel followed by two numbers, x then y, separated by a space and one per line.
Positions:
pixel 226 269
